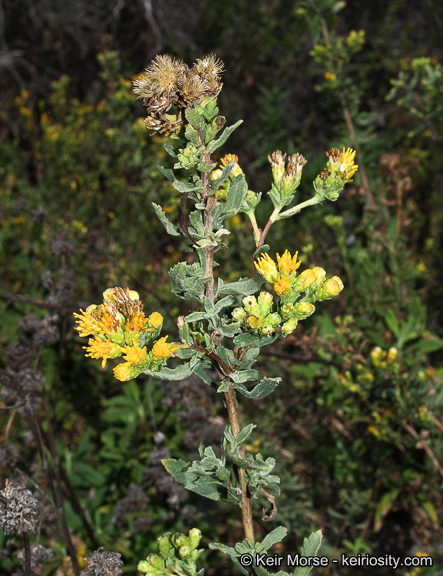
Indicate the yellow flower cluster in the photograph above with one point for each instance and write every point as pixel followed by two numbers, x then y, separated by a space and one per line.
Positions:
pixel 259 316
pixel 119 327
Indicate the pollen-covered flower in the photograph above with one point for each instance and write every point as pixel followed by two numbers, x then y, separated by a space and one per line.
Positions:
pixel 102 349
pixel 120 295
pixel 137 323
pixel 282 286
pixel 134 354
pixel 163 349
pixel 287 264
pixel 267 268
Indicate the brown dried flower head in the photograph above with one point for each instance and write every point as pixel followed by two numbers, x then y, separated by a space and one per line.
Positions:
pixel 169 82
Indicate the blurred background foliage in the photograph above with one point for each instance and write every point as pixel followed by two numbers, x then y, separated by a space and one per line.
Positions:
pixel 356 429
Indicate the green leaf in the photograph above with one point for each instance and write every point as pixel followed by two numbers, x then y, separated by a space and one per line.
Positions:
pixel 392 322
pixel 229 330
pixel 215 184
pixel 245 433
pixel 192 135
pixel 194 118
pixel 243 340
pixel 311 547
pixel 427 345
pixel 244 376
pixel 168 226
pixel 204 486
pixel 243 287
pixel 273 537
pixel 197 316
pixel 181 372
pixel 430 510
pixel 261 250
pixel 236 193
pixel 261 390
pixel 212 146
pixel 170 149
pixel 384 506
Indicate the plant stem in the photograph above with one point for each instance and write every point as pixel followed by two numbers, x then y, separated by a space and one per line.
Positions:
pixel 211 201
pixel 27 554
pixel 296 209
pixel 246 505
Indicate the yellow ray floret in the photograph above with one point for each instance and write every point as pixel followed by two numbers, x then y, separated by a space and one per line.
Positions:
pixel 267 268
pixel 134 354
pixel 347 166
pixel 162 349
pixel 287 264
pixel 99 348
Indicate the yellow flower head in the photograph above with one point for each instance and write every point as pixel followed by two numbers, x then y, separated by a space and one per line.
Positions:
pixel 267 268
pixel 216 174
pixel 254 322
pixel 282 286
pixel 333 286
pixel 162 349
pixel 96 320
pixel 155 319
pixel 134 354
pixel 347 166
pixel 123 371
pixel 99 348
pixel 137 323
pixel 236 170
pixel 287 264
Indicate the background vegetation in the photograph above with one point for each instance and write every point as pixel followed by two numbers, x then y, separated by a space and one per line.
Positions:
pixel 357 432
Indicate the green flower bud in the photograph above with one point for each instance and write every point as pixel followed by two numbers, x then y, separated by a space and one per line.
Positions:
pixel 164 544
pixel 304 280
pixel 143 566
pixel 265 301
pixel 156 562
pixel 251 305
pixel 185 551
pixel 289 327
pixel 330 288
pixel 286 311
pixel 180 540
pixel 250 201
pixel 273 319
pixel 239 314
pixel 303 310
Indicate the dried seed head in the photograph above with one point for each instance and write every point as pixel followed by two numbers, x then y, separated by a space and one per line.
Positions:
pixel 162 78
pixel 18 509
pixel 104 564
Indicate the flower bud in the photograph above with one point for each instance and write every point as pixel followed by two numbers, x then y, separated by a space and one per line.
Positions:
pixel 180 540
pixel 250 304
pixel 195 536
pixel 265 301
pixel 330 288
pixel 303 310
pixel 289 327
pixel 286 311
pixel 184 551
pixel 164 543
pixel 239 314
pixel 304 280
pixel 267 268
pixel 376 355
pixel 392 355
pixel 157 562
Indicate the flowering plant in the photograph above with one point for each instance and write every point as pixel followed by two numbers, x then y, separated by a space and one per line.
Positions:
pixel 235 319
